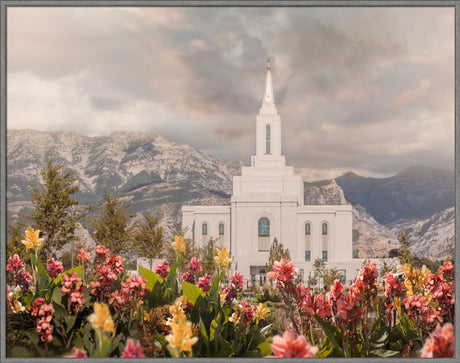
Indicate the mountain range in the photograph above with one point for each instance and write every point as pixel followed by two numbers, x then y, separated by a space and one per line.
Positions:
pixel 158 176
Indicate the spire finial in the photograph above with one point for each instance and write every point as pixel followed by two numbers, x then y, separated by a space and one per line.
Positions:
pixel 268 63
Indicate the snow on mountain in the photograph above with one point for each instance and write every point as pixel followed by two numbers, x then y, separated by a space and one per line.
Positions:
pixel 158 176
pixel 434 236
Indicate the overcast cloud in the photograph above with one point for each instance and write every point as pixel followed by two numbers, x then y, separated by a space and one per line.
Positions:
pixel 363 89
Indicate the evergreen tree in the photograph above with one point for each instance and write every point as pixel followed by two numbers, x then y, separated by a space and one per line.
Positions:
pixel 277 252
pixel 110 224
pixel 404 253
pixel 16 232
pixel 319 268
pixel 148 238
pixel 54 207
pixel 208 253
pixel 330 275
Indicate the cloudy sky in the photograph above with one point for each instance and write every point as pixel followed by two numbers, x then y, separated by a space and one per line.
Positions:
pixel 363 89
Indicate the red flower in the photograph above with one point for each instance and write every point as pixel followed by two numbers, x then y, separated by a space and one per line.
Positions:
pixel 282 271
pixel 189 277
pixel 14 264
pixel 162 269
pixel 441 343
pixel 237 279
pixel 54 267
pixel 133 349
pixel 195 265
pixel 230 293
pixel 83 256
pixel 289 347
pixel 77 353
pixel 204 283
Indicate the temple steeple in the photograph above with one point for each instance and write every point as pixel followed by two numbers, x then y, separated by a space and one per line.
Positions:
pixel 268 102
pixel 268 129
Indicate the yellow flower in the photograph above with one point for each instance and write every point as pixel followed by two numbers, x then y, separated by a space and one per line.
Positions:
pixel 397 305
pixel 222 257
pixel 32 239
pixel 181 338
pixel 261 311
pixel 179 244
pixel 101 319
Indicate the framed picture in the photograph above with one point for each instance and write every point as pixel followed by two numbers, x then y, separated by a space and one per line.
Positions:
pixel 228 179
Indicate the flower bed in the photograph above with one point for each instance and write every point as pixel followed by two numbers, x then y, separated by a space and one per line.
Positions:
pixel 97 310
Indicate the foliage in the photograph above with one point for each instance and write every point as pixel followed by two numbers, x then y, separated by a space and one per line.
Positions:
pixel 404 253
pixel 359 323
pixel 54 207
pixel 277 252
pixel 148 238
pixel 110 223
pixel 330 275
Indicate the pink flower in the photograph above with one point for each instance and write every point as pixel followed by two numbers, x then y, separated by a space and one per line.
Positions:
pixel 77 353
pixel 102 252
pixel 162 269
pixel 237 279
pixel 195 265
pixel 447 270
pixel 282 271
pixel 316 304
pixel 335 292
pixel 204 283
pixel 14 264
pixel 44 323
pixel 83 256
pixel 35 306
pixel 365 284
pixel 133 349
pixel 441 343
pixel 54 267
pixel 189 277
pixel 394 287
pixel 289 347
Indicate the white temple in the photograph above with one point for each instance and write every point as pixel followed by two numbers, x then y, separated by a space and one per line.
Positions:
pixel 268 203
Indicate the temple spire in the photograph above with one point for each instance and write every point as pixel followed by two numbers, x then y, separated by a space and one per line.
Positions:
pixel 268 103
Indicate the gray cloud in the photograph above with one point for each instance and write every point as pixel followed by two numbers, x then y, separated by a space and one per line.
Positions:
pixel 369 89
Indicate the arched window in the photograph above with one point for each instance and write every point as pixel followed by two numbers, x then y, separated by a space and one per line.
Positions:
pixel 204 234
pixel 204 229
pixel 221 229
pixel 264 234
pixel 307 242
pixel 267 139
pixel 264 227
pixel 325 241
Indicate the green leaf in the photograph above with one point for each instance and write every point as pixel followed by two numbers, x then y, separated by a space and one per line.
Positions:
pixel 326 350
pixel 151 277
pixel 265 329
pixel 333 333
pixel 265 349
pixel 56 297
pixel 191 292
pixel 27 299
